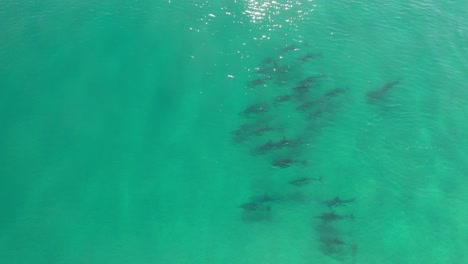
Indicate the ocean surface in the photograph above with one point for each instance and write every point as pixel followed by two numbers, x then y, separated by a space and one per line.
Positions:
pixel 233 132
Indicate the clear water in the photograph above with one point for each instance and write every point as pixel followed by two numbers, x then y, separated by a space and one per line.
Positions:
pixel 118 129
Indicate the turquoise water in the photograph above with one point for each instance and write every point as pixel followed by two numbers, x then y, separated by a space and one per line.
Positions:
pixel 122 136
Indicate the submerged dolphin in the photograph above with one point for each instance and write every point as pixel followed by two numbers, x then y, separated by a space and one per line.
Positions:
pixel 310 79
pixel 253 206
pixel 308 105
pixel 246 131
pixel 337 202
pixel 334 92
pixel 282 99
pixel 255 109
pixel 309 56
pixel 303 181
pixel 333 216
pixel 270 145
pixel 256 82
pixel 289 48
pixel 284 163
pixel 333 241
pixel 302 88
pixel 379 93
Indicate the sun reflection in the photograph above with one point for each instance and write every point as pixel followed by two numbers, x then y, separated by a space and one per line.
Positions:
pixel 262 20
pixel 259 11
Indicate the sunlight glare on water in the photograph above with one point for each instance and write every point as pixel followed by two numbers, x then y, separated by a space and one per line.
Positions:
pixel 275 13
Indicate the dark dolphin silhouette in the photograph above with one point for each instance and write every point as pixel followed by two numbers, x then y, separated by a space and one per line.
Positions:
pixel 334 92
pixel 268 61
pixel 253 206
pixel 285 163
pixel 337 202
pixel 282 98
pixel 334 246
pixel 302 88
pixel 256 82
pixel 255 109
pixel 262 198
pixel 381 92
pixel 309 56
pixel 332 216
pixel 270 145
pixel 290 48
pixel 282 68
pixel 247 131
pixel 261 130
pixel 310 79
pixel 308 105
pixel 303 181
pixel 333 241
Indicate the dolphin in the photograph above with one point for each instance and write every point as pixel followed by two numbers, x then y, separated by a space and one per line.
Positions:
pixel 253 206
pixel 302 88
pixel 246 131
pixel 260 70
pixel 334 92
pixel 333 217
pixel 265 198
pixel 268 61
pixel 284 163
pixel 307 105
pixel 315 114
pixel 282 99
pixel 379 93
pixel 261 130
pixel 282 68
pixel 333 241
pixel 310 79
pixel 265 147
pixel 308 56
pixel 255 109
pixel 289 48
pixel 303 181
pixel 256 82
pixel 270 145
pixel 332 245
pixel 337 202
